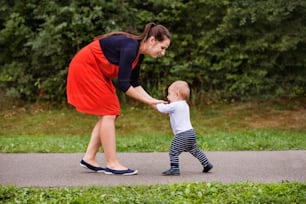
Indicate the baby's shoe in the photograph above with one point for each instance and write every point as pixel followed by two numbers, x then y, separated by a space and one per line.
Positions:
pixel 172 172
pixel 207 168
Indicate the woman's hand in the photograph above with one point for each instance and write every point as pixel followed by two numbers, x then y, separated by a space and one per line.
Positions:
pixel 155 101
pixel 141 95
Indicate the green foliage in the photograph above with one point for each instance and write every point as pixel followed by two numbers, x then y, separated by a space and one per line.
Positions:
pixel 172 193
pixel 225 49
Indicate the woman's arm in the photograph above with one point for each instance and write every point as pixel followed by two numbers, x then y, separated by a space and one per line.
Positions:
pixel 143 92
pixel 141 95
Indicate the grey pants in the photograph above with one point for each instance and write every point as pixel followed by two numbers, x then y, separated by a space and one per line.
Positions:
pixel 185 142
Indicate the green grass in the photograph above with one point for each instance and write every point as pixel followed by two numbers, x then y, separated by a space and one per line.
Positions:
pixel 234 127
pixel 173 193
pixel 240 141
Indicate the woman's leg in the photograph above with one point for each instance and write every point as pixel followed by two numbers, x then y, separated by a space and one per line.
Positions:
pixel 104 133
pixel 108 140
pixel 93 146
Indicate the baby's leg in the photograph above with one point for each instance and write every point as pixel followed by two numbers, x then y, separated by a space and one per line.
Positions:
pixel 196 152
pixel 176 148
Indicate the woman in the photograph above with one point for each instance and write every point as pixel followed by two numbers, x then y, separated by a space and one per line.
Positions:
pixel 90 88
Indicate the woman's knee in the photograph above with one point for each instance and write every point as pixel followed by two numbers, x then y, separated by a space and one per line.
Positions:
pixel 108 118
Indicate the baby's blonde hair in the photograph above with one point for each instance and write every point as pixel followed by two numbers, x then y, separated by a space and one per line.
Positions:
pixel 183 89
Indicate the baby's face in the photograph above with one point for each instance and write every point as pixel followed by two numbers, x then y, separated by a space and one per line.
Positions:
pixel 173 95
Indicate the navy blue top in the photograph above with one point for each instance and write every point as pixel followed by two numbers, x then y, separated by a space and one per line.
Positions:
pixel 122 51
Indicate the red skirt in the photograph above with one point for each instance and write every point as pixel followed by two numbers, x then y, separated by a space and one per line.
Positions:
pixel 89 83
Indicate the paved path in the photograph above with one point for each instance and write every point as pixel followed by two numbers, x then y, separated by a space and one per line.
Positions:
pixel 63 169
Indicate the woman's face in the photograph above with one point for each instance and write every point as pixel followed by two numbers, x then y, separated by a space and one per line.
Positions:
pixel 156 48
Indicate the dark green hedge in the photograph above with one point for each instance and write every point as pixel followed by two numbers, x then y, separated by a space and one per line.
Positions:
pixel 225 49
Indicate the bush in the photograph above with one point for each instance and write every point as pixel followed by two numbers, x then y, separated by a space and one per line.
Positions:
pixel 224 49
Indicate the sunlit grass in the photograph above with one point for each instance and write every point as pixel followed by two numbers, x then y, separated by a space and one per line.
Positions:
pixel 158 142
pixel 231 127
pixel 172 193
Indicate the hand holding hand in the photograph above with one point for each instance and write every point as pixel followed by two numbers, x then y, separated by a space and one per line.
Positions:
pixel 154 102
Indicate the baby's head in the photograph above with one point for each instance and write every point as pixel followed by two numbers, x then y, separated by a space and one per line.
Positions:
pixel 178 90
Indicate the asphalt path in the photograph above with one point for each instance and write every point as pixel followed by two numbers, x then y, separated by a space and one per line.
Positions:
pixel 56 169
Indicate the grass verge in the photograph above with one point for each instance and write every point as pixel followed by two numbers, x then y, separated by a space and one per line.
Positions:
pixel 173 193
pixel 232 127
pixel 248 140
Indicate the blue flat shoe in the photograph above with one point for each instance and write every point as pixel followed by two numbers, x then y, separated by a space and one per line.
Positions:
pixel 127 172
pixel 91 167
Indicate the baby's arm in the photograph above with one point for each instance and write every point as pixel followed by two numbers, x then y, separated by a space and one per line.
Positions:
pixel 165 107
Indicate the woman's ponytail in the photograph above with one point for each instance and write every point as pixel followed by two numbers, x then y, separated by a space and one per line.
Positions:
pixel 151 29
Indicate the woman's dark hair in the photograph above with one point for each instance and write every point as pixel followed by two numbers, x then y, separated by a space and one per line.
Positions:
pixel 158 31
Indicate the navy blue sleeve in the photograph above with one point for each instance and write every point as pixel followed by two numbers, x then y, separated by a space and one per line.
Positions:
pixel 134 80
pixel 127 56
